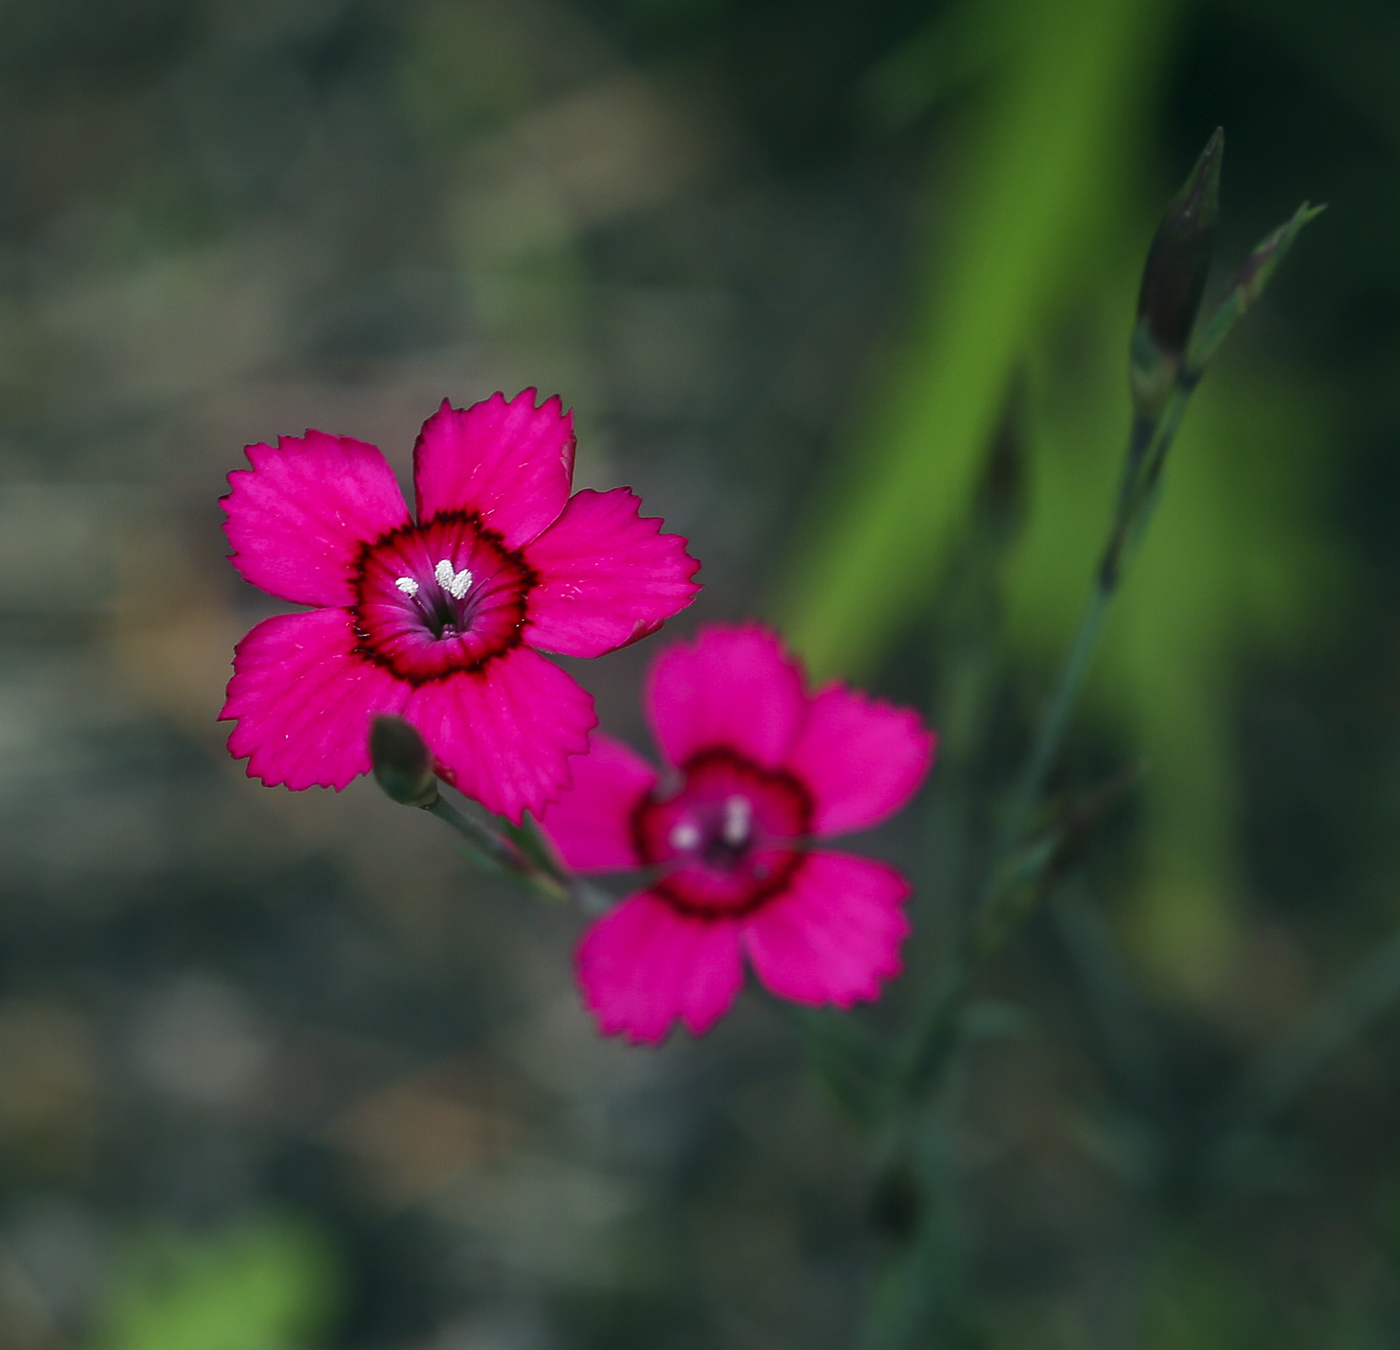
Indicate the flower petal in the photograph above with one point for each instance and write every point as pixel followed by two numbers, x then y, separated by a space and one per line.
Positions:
pixel 298 518
pixel 860 758
pixel 645 964
pixel 834 935
pixel 591 824
pixel 304 701
pixel 607 576
pixel 733 687
pixel 503 734
pixel 510 463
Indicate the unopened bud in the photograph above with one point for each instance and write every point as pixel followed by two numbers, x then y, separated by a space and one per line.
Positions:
pixel 403 764
pixel 1248 285
pixel 1174 280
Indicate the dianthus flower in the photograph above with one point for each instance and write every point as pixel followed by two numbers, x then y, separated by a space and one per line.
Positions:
pixel 757 769
pixel 437 619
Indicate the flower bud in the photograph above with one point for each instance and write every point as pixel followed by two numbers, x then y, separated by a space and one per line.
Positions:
pixel 1248 285
pixel 403 764
pixel 1174 280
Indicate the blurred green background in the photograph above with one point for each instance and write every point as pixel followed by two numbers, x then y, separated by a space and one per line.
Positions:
pixel 279 1071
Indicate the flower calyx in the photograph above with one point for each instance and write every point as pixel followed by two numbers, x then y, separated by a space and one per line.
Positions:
pixel 402 762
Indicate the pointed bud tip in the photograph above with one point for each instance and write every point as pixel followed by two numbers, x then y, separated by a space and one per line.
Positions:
pixel 1206 178
pixel 1174 276
pixel 403 764
pixel 1248 285
pixel 1252 275
pixel 1197 205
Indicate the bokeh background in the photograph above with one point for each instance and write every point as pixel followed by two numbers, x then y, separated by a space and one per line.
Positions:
pixel 280 1071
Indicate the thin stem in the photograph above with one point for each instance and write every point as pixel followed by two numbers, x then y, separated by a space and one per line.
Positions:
pixel 494 848
pixel 921 1297
pixel 934 1036
pixel 1030 785
pixel 1286 1068
pixel 936 1033
pixel 499 852
pixel 1016 874
pixel 1137 497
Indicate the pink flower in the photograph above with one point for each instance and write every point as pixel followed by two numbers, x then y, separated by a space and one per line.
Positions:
pixel 758 767
pixel 437 619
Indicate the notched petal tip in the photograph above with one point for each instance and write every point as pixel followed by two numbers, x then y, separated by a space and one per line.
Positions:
pixel 835 936
pixel 734 685
pixel 861 758
pixel 298 517
pixel 507 461
pixel 607 576
pixel 643 967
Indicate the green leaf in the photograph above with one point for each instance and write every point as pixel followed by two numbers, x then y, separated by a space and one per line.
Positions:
pixel 268 1283
pixel 1033 210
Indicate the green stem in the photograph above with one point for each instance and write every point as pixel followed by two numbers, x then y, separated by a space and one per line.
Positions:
pixel 1285 1069
pixel 494 849
pixel 902 1314
pixel 920 1299
pixel 499 852
pixel 1142 473
pixel 1030 786
pixel 936 1033
pixel 934 1036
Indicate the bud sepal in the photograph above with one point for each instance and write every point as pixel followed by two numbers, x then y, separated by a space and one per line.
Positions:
pixel 1248 285
pixel 402 762
pixel 1174 281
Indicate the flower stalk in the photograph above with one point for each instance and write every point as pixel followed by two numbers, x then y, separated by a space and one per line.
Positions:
pixel 1168 354
pixel 1170 298
pixel 403 768
pixel 1174 282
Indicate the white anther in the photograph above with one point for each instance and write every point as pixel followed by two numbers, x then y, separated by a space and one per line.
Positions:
pixel 684 835
pixel 454 583
pixel 738 817
pixel 407 585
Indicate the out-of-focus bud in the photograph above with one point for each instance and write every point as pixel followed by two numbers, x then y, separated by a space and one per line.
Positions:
pixel 1174 281
pixel 403 764
pixel 1249 284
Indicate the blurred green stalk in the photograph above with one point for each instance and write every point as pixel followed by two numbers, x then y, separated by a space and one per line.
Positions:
pixel 1035 200
pixel 403 768
pixel 1166 367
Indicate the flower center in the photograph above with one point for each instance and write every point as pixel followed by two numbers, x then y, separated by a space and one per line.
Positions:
pixel 728 838
pixel 440 598
pixel 441 603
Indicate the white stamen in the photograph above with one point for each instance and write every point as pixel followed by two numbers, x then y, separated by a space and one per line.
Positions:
pixel 407 585
pixel 454 583
pixel 738 817
pixel 684 835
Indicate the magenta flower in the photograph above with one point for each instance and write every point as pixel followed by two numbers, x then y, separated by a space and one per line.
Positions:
pixel 758 769
pixel 437 619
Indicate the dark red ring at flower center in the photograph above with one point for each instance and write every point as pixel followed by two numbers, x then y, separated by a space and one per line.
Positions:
pixel 439 599
pixel 729 838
